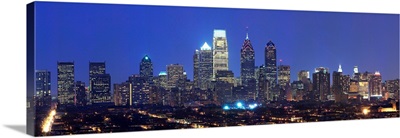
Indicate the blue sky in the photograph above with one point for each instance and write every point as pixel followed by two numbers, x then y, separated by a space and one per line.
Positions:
pixel 121 35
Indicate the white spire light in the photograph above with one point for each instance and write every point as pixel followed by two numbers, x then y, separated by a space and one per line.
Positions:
pixel 340 68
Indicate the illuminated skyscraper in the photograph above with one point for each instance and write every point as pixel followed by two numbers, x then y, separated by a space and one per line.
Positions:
pixel 123 94
pixel 262 85
pixel 247 68
pixel 321 84
pixel 43 88
pixel 162 80
pixel 101 88
pixel 375 85
pixel 141 90
pixel 340 85
pixel 392 87
pixel 356 74
pixel 271 69
pixel 220 51
pixel 99 83
pixel 174 73
pixel 95 68
pixel 283 75
pixel 146 69
pixel 205 66
pixel 247 62
pixel 224 84
pixel 81 97
pixel 196 72
pixel 65 82
pixel 303 75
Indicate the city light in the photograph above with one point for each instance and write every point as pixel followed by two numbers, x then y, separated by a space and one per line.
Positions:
pixel 365 111
pixel 46 127
pixel 239 105
pixel 226 107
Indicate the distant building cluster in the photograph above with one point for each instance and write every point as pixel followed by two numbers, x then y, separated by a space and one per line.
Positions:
pixel 213 82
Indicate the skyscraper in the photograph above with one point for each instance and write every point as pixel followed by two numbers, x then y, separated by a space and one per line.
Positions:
pixel 224 85
pixel 283 75
pixel 99 83
pixel 271 69
pixel 247 62
pixel 196 71
pixel 262 85
pixel 140 90
pixel 43 88
pixel 205 66
pixel 174 73
pixel 356 74
pixel 65 82
pixel 375 85
pixel 321 84
pixel 303 75
pixel 220 51
pixel 146 69
pixel 123 94
pixel 95 68
pixel 340 85
pixel 100 88
pixel 247 68
pixel 80 90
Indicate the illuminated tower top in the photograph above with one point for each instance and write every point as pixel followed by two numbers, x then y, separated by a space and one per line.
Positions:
pixel 219 33
pixel 355 69
pixel 205 47
pixel 340 68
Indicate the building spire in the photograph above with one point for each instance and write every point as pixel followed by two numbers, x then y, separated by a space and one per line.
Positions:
pixel 340 68
pixel 247 33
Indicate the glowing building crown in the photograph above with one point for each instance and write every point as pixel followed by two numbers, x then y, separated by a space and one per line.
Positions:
pixel 205 47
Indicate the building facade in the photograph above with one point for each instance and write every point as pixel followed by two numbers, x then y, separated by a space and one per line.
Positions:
pixel 65 83
pixel 271 70
pixel 43 88
pixel 220 51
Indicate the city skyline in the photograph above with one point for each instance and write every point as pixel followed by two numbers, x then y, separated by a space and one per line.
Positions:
pixel 70 45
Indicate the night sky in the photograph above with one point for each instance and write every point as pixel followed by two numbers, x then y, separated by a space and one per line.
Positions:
pixel 121 35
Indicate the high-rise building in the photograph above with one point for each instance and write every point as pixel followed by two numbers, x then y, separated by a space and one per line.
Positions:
pixel 356 74
pixel 303 75
pixel 123 94
pixel 43 88
pixel 298 91
pixel 321 84
pixel 81 97
pixel 205 67
pixel 220 51
pixel 95 68
pixel 99 83
pixel 271 69
pixel 146 69
pixel 100 88
pixel 262 85
pixel 65 82
pixel 247 62
pixel 283 75
pixel 340 85
pixel 224 84
pixel 392 87
pixel 247 69
pixel 162 80
pixel 141 90
pixel 375 85
pixel 196 71
pixel 174 73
